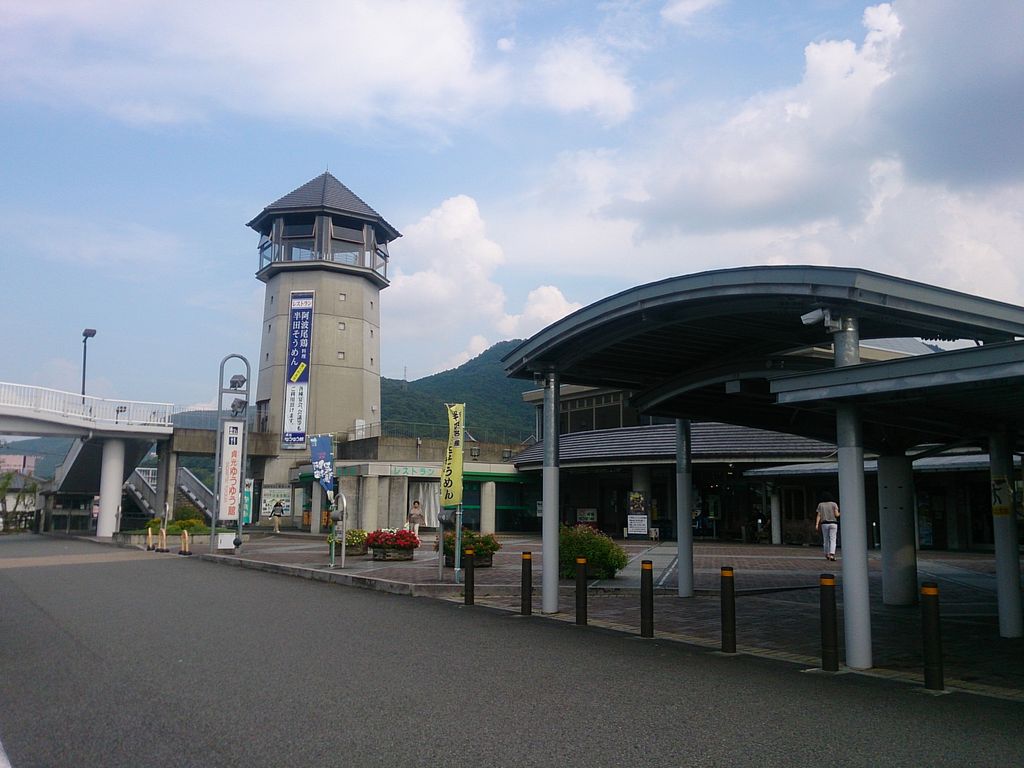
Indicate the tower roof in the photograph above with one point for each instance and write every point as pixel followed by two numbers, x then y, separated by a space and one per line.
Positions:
pixel 325 193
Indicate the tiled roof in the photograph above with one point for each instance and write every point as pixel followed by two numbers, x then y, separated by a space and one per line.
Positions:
pixel 325 193
pixel 710 440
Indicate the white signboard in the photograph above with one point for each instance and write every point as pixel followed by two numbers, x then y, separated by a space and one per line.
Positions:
pixel 636 525
pixel 230 496
pixel 273 494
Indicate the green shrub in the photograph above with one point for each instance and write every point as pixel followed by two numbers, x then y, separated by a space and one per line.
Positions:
pixel 191 525
pixel 154 524
pixel 604 556
pixel 480 543
pixel 188 513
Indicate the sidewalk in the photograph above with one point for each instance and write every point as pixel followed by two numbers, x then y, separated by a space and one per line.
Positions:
pixel 776 606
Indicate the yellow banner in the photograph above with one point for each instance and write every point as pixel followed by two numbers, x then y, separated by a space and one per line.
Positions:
pixel 451 472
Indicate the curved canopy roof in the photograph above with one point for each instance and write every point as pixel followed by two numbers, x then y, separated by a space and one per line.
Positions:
pixel 708 345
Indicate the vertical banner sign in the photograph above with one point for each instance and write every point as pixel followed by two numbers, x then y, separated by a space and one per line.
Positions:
pixel 231 470
pixel 451 472
pixel 296 384
pixel 321 449
pixel 249 485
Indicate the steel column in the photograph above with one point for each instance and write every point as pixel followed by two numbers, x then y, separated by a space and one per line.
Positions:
pixel 1004 531
pixel 684 508
pixel 550 491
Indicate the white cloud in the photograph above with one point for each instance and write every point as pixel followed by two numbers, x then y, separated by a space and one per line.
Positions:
pixel 361 61
pixel 683 12
pixel 506 44
pixel 544 305
pixel 573 75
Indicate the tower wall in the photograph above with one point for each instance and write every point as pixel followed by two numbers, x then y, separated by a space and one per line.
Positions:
pixel 344 383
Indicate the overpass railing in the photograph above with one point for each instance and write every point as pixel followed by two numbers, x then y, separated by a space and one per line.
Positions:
pixel 97 410
pixel 195 490
pixel 141 483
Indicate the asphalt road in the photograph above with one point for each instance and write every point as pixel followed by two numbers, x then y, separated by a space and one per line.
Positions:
pixel 112 657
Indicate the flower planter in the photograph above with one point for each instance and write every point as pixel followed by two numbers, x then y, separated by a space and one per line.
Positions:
pixel 355 550
pixel 479 561
pixel 392 553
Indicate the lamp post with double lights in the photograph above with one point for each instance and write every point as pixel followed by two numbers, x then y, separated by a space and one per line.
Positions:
pixel 231 451
pixel 87 334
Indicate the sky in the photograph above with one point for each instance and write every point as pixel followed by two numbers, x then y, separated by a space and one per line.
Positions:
pixel 536 157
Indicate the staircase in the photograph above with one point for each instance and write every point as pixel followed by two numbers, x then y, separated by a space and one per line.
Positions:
pixel 195 490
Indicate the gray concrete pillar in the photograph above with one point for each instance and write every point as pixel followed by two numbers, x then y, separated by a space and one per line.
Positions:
pixel 111 481
pixel 775 500
pixel 368 490
pixel 896 519
pixel 166 480
pixel 853 510
pixel 549 494
pixel 1004 531
pixel 684 508
pixel 488 506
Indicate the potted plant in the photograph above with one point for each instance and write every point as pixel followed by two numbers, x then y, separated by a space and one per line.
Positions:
pixel 392 543
pixel 484 545
pixel 355 541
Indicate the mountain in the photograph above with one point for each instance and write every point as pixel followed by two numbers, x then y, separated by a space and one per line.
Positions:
pixel 50 450
pixel 495 411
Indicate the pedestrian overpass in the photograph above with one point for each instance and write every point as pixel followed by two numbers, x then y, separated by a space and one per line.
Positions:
pixel 112 437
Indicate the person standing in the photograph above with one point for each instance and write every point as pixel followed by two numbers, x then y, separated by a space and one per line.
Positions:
pixel 826 520
pixel 416 518
pixel 276 514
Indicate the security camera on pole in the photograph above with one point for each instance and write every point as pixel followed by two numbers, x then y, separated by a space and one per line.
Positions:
pixel 231 452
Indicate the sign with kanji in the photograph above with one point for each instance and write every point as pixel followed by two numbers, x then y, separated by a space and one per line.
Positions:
pixel 296 385
pixel 451 470
pixel 230 497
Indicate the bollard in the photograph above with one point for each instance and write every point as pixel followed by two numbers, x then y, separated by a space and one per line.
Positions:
pixel 149 540
pixel 728 611
pixel 526 590
pixel 470 584
pixel 183 545
pixel 646 598
pixel 188 543
pixel 581 591
pixel 829 631
pixel 932 636
pixel 161 544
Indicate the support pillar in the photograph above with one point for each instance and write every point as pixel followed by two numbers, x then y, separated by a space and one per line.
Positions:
pixel 111 481
pixel 896 518
pixel 776 505
pixel 550 493
pixel 488 506
pixel 1004 531
pixel 368 499
pixel 852 508
pixel 684 508
pixel 166 480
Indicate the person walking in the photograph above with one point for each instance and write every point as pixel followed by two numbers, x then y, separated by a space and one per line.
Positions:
pixel 416 518
pixel 276 514
pixel 826 520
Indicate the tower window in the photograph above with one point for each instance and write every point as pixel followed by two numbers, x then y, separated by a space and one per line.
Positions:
pixel 371 333
pixel 371 303
pixel 341 297
pixel 371 362
pixel 341 355
pixel 341 326
pixel 268 327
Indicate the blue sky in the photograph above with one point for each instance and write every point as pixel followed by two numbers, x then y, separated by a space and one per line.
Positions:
pixel 536 156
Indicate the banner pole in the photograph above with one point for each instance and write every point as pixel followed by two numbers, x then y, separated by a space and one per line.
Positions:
pixel 458 544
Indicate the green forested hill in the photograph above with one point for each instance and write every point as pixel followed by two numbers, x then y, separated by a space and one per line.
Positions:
pixel 494 403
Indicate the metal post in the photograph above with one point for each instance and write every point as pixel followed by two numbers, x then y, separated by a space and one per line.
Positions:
pixel 581 591
pixel 646 599
pixel 1004 532
pixel 470 576
pixel 850 451
pixel 932 636
pixel 526 590
pixel 684 507
pixel 457 554
pixel 829 630
pixel 728 611
pixel 333 535
pixel 549 576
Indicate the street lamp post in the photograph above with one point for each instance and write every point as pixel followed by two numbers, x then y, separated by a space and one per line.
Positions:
pixel 87 334
pixel 232 434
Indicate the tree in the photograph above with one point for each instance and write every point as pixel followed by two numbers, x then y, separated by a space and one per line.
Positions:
pixel 25 494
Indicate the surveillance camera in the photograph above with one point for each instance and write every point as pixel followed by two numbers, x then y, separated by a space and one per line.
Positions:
pixel 812 317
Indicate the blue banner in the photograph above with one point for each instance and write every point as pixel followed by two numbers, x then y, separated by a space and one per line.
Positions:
pixel 321 449
pixel 296 385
